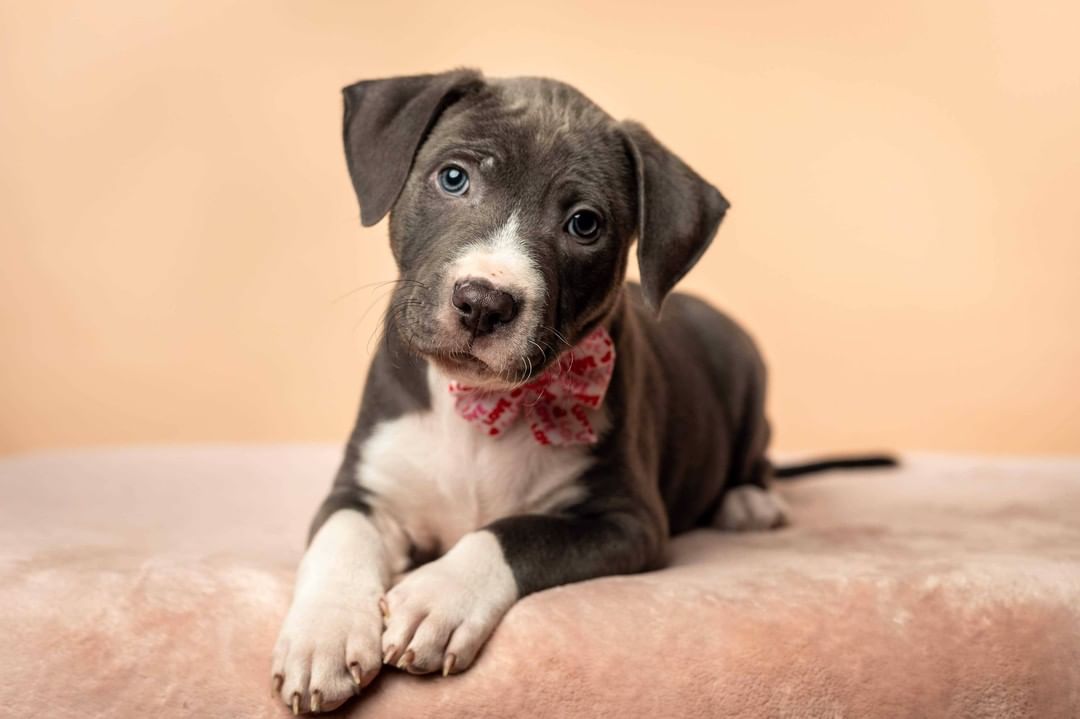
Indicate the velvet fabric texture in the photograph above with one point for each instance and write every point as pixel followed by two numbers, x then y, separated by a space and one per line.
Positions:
pixel 152 582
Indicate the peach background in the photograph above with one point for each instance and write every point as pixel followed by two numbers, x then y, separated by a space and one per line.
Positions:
pixel 180 251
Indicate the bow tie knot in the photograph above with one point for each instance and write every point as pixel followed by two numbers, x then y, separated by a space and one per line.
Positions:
pixel 555 403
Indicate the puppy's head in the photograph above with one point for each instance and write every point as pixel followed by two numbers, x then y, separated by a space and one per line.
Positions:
pixel 514 205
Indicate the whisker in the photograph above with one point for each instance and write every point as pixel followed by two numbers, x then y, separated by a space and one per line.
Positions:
pixel 558 335
pixel 377 285
pixel 391 318
pixel 543 352
pixel 524 372
pixel 375 301
pixel 546 348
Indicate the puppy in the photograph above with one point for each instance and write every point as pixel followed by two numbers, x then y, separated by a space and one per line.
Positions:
pixel 529 420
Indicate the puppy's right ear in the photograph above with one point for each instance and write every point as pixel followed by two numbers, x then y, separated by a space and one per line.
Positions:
pixel 385 122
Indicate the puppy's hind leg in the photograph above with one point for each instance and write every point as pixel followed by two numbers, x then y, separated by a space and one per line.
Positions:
pixel 747 503
pixel 749 508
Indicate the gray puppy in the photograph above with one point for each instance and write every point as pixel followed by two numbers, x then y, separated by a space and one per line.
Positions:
pixel 530 420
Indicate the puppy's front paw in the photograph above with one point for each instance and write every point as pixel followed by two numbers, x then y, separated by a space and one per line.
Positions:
pixel 327 652
pixel 749 508
pixel 440 615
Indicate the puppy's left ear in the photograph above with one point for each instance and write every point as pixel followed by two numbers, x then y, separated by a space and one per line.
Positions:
pixel 385 122
pixel 678 214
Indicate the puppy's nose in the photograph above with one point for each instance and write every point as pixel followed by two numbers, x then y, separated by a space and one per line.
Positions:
pixel 481 306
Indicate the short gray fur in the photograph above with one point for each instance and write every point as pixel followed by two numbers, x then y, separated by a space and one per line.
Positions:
pixel 688 393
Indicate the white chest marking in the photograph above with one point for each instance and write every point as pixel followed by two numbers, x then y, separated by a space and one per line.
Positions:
pixel 438 477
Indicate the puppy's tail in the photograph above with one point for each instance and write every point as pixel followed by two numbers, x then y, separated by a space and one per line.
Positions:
pixel 869 461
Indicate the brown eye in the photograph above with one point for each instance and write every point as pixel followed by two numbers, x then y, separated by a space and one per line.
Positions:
pixel 584 225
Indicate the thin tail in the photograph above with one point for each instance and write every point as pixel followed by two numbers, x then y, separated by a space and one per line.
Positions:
pixel 826 463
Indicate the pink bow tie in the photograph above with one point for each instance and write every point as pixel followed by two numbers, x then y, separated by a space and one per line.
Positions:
pixel 554 403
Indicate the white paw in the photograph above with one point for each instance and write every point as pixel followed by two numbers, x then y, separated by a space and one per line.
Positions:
pixel 327 652
pixel 749 508
pixel 440 615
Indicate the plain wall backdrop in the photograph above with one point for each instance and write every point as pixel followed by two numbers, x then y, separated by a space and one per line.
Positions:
pixel 181 257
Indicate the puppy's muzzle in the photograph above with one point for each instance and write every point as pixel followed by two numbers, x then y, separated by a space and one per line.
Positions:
pixel 482 307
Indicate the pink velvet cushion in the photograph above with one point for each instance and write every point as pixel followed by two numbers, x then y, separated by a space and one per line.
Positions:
pixel 150 583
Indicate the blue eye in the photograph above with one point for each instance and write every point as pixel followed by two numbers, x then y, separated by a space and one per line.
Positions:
pixel 453 180
pixel 584 225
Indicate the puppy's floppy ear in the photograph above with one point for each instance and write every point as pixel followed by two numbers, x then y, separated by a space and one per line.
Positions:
pixel 678 214
pixel 385 122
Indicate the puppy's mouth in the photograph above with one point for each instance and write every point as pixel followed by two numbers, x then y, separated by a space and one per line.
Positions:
pixel 468 368
pixel 455 363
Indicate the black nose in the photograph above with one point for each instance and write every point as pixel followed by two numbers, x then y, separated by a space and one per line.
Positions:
pixel 482 307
